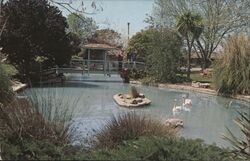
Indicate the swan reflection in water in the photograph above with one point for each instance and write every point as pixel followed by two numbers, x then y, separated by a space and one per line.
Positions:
pixel 186 105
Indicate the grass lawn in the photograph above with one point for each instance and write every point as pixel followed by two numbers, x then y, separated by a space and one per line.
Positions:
pixel 200 78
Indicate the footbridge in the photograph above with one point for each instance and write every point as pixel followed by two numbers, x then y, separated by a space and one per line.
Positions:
pixel 105 67
pixel 87 68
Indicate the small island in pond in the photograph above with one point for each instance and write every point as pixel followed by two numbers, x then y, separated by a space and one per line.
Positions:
pixel 133 99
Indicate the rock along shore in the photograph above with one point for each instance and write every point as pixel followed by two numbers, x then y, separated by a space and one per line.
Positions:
pixel 245 98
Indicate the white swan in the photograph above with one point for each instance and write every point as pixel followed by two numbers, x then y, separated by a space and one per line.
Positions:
pixel 186 101
pixel 176 108
pixel 187 104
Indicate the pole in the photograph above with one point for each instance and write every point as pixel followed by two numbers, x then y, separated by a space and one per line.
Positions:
pixel 128 31
pixel 105 63
pixel 88 60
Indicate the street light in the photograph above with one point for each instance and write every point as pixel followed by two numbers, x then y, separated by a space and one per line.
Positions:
pixel 128 30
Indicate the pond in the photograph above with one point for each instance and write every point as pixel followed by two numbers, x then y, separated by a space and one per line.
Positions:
pixel 208 118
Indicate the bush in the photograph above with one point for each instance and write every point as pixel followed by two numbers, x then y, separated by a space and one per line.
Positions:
pixel 5 86
pixel 10 69
pixel 137 74
pixel 231 74
pixel 130 126
pixel 163 149
pixel 36 128
pixel 149 81
pixel 163 56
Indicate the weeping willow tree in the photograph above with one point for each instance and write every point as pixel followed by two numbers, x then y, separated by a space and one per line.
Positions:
pixel 232 73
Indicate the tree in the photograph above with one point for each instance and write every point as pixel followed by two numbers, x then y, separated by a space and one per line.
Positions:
pixel 2 21
pixel 108 36
pixel 160 49
pixel 163 55
pixel 70 6
pixel 140 43
pixel 65 4
pixel 83 27
pixel 190 26
pixel 35 28
pixel 220 18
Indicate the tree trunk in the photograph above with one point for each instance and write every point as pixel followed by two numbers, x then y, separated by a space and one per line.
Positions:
pixel 205 63
pixel 189 64
pixel 190 45
pixel 203 66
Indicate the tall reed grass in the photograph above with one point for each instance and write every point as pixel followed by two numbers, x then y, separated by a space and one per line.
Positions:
pixel 129 126
pixel 232 73
pixel 57 107
pixel 5 86
pixel 30 125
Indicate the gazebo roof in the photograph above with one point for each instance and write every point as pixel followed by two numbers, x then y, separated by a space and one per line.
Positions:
pixel 98 46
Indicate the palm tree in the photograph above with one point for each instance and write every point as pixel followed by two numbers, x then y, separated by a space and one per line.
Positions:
pixel 190 26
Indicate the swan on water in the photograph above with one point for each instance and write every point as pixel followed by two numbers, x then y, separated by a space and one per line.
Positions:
pixel 186 101
pixel 176 108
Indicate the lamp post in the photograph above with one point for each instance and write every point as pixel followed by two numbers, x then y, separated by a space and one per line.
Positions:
pixel 128 30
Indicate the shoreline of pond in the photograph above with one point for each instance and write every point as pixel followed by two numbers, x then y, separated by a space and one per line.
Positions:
pixel 209 91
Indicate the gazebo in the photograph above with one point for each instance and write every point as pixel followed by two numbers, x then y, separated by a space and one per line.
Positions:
pixel 97 57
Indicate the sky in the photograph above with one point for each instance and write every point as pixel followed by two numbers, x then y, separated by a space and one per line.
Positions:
pixel 117 13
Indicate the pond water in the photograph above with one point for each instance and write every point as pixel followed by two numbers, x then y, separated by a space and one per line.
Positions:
pixel 208 118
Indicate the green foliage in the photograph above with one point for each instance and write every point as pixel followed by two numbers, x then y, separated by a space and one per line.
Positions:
pixel 161 49
pixel 83 27
pixel 190 26
pixel 33 149
pixel 219 22
pixel 140 43
pixel 107 36
pixel 5 85
pixel 35 28
pixel 130 126
pixel 37 127
pixel 241 146
pixel 190 23
pixel 163 56
pixel 162 149
pixel 200 78
pixel 149 81
pixel 231 74
pixel 137 74
pixel 10 69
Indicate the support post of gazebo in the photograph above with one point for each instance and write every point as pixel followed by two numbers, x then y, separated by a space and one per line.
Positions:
pixel 88 60
pixel 105 63
pixel 103 47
